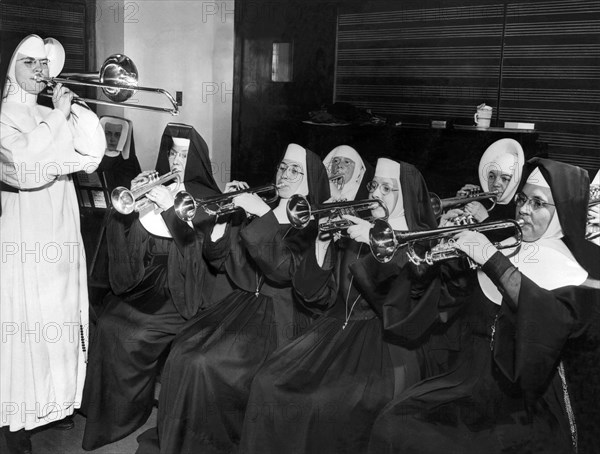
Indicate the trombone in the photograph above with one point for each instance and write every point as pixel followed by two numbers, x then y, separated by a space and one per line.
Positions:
pixel 126 201
pixel 440 205
pixel 186 205
pixel 299 212
pixel 385 241
pixel 118 79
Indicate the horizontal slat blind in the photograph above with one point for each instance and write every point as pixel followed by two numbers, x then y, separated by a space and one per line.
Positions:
pixel 65 21
pixel 420 63
pixel 533 61
pixel 551 75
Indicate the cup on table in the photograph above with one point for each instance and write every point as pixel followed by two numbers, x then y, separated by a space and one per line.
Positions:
pixel 483 116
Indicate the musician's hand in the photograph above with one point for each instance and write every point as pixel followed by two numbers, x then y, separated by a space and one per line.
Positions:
pixel 475 245
pixel 477 210
pixel 594 215
pixel 251 203
pixel 235 186
pixel 161 196
pixel 468 189
pixel 359 232
pixel 147 176
pixel 62 98
pixel 449 216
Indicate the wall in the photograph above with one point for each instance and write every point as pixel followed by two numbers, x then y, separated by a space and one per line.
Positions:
pixel 268 114
pixel 178 46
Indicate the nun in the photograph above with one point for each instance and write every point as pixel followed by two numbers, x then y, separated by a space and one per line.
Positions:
pixel 43 279
pixel 158 281
pixel 509 390
pixel 322 392
pixel 207 375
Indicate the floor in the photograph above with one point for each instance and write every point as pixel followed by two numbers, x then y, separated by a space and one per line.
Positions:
pixel 51 441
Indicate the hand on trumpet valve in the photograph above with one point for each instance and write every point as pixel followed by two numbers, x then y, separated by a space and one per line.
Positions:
pixel 252 204
pixel 449 216
pixel 147 176
pixel 468 190
pixel 477 210
pixel 236 186
pixel 162 196
pixel 62 98
pixel 359 232
pixel 475 245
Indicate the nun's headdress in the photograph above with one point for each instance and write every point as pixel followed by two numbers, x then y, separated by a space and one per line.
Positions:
pixel 505 156
pixel 198 177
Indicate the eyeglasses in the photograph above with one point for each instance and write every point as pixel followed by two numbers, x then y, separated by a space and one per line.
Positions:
pixel 535 202
pixel 293 171
pixel 30 62
pixel 384 188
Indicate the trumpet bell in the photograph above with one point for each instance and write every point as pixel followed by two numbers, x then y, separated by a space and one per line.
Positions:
pixel 123 200
pixel 185 206
pixel 298 211
pixel 383 241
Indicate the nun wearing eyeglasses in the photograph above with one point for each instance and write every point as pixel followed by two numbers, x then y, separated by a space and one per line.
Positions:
pixel 43 279
pixel 207 376
pixel 322 392
pixel 509 391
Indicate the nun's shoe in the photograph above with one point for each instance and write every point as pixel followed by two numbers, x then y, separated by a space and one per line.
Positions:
pixel 64 424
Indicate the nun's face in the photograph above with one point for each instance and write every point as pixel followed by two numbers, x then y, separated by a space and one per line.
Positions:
pixel 112 131
pixel 27 69
pixel 386 190
pixel 533 207
pixel 498 180
pixel 178 158
pixel 290 175
pixel 341 169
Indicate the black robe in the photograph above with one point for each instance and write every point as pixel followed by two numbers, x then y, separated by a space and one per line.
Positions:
pixel 507 391
pixel 322 392
pixel 207 376
pixel 157 284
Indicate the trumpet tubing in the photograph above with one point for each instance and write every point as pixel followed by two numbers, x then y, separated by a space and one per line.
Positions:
pixel 439 205
pixel 126 201
pixel 186 205
pixel 385 241
pixel 300 212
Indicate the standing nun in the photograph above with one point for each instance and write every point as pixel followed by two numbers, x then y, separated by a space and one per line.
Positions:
pixel 43 279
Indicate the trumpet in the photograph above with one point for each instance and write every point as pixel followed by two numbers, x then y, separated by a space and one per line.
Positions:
pixel 127 201
pixel 440 205
pixel 385 241
pixel 186 205
pixel 118 79
pixel 299 212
